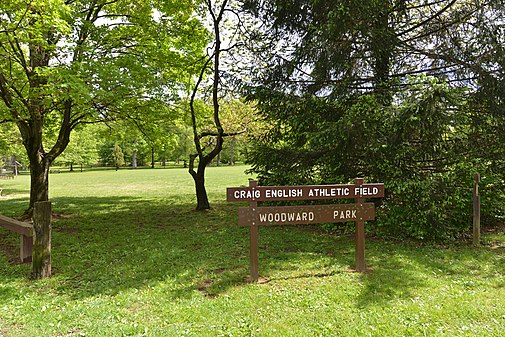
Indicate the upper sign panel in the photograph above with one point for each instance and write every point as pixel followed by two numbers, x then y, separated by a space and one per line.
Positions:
pixel 307 192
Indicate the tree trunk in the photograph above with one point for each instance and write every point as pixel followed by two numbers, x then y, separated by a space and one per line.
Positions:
pixel 202 200
pixel 204 160
pixel 15 169
pixel 39 181
pixel 383 42
pixel 134 159
pixel 71 167
pixel 232 151
pixel 152 157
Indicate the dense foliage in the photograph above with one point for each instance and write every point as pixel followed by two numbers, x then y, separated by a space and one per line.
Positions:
pixel 408 93
pixel 65 63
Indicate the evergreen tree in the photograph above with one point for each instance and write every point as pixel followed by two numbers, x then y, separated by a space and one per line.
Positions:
pixel 395 91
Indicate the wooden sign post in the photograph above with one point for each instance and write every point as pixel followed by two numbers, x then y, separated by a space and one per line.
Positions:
pixel 360 233
pixel 254 216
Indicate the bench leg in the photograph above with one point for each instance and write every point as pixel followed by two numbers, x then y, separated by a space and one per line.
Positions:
pixel 26 246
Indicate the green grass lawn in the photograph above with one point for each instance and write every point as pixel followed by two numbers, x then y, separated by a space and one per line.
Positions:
pixel 132 258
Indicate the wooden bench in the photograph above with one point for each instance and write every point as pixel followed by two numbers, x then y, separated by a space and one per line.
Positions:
pixel 25 230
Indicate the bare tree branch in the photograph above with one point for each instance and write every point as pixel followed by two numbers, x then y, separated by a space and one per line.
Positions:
pixel 224 134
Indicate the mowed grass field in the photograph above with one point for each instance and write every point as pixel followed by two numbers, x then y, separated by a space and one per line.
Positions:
pixel 131 257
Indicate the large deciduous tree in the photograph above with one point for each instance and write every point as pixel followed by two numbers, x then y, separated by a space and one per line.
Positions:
pixel 69 62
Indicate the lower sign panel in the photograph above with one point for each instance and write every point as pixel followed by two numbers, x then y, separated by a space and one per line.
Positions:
pixel 311 214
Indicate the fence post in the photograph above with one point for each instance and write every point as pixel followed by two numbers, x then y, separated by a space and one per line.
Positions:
pixel 476 211
pixel 41 257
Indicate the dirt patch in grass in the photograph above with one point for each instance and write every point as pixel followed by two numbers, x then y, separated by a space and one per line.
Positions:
pixel 67 230
pixel 204 287
pixel 9 331
pixel 494 236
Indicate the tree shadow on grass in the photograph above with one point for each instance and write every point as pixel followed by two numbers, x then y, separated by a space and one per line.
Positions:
pixel 393 274
pixel 116 244
pixel 107 245
pixel 9 191
pixel 401 271
pixel 13 207
pixel 104 246
pixel 287 252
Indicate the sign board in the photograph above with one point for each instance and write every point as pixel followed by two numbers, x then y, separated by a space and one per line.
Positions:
pixel 315 192
pixel 255 216
pixel 310 214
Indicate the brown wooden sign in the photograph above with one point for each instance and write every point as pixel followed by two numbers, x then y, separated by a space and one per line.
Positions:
pixel 254 216
pixel 310 214
pixel 315 192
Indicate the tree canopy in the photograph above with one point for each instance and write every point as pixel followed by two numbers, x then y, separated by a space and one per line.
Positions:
pixel 405 92
pixel 70 62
